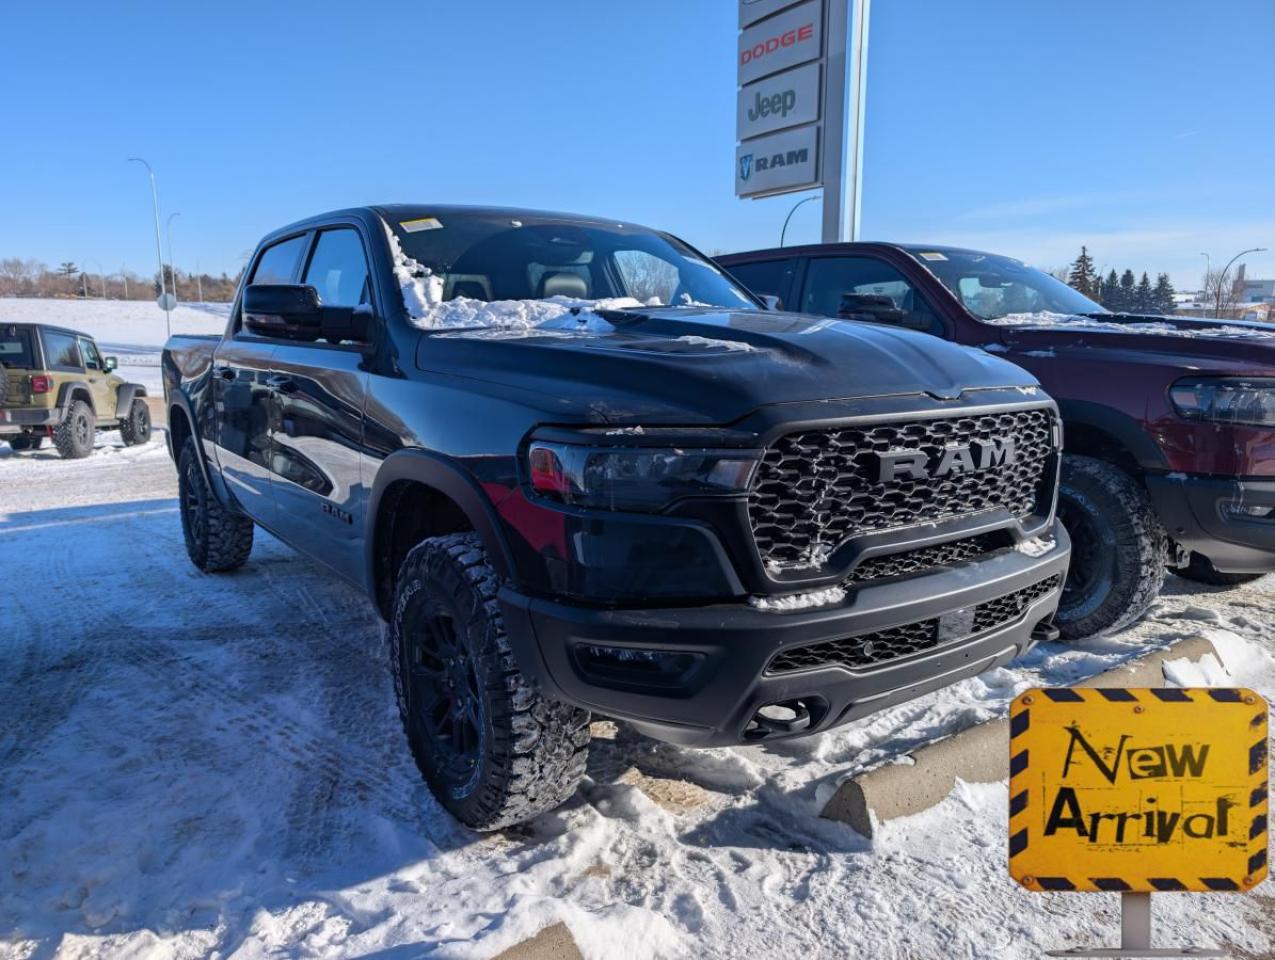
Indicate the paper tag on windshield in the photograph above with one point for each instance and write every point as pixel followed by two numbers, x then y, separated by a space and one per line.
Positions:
pixel 416 226
pixel 933 256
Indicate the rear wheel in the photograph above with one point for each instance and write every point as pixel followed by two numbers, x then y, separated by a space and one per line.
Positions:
pixel 216 538
pixel 73 436
pixel 493 751
pixel 136 427
pixel 1201 570
pixel 1117 548
pixel 26 441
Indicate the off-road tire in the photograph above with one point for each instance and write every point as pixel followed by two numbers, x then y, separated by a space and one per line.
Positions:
pixel 74 434
pixel 1118 548
pixel 217 539
pixel 528 752
pixel 1201 570
pixel 26 441
pixel 136 427
pixel 4 384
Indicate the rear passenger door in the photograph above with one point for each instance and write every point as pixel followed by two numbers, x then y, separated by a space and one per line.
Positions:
pixel 827 278
pixel 317 420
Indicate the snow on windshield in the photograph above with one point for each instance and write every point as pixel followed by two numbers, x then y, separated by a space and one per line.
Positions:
pixel 1045 319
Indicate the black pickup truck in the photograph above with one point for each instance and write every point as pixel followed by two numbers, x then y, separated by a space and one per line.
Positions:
pixel 578 469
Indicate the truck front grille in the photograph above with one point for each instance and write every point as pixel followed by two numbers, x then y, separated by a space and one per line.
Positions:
pixel 868 650
pixel 815 489
pixel 926 558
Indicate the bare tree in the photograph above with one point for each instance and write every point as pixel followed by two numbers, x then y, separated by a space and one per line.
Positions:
pixel 13 272
pixel 1220 290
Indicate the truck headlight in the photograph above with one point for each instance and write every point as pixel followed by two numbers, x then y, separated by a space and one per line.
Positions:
pixel 635 478
pixel 1248 400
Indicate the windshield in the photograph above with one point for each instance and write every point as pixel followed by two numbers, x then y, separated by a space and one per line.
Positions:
pixel 491 257
pixel 992 287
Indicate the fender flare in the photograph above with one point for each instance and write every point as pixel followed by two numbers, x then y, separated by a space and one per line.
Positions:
pixel 211 477
pixel 448 478
pixel 125 394
pixel 1124 429
pixel 67 392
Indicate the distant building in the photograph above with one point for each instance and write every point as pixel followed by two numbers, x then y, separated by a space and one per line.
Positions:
pixel 1253 291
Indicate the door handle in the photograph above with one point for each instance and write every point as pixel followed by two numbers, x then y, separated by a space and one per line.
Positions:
pixel 281 383
pixel 225 373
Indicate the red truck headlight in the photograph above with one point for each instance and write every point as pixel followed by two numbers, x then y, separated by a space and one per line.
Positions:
pixel 1242 400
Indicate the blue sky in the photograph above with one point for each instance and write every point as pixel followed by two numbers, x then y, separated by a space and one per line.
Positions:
pixel 1140 127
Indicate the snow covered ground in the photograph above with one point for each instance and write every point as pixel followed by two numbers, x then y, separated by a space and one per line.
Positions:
pixel 197 765
pixel 132 331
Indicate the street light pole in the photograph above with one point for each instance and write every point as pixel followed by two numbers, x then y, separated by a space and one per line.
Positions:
pixel 1227 269
pixel 199 281
pixel 124 277
pixel 791 212
pixel 159 253
pixel 172 266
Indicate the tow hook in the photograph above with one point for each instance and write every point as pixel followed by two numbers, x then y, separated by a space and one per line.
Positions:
pixel 1045 632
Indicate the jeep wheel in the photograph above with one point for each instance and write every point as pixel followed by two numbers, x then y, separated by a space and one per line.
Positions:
pixel 216 538
pixel 73 436
pixel 136 427
pixel 493 751
pixel 1201 570
pixel 1117 548
pixel 26 441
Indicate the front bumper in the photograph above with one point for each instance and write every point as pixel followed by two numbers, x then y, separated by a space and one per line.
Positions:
pixel 730 648
pixel 1202 513
pixel 18 419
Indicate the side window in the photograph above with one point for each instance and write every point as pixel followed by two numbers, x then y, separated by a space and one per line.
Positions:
pixel 646 277
pixel 88 350
pixel 338 269
pixel 827 278
pixel 765 277
pixel 62 352
pixel 278 263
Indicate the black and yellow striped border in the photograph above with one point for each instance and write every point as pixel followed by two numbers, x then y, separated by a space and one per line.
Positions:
pixel 1249 872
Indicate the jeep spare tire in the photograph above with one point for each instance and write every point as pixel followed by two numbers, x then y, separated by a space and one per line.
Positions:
pixel 1117 548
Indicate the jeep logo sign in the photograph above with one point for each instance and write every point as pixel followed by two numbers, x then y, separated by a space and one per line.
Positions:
pixel 954 460
pixel 787 99
pixel 777 163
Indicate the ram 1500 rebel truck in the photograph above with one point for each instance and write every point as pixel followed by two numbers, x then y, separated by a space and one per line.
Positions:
pixel 54 382
pixel 1169 422
pixel 719 523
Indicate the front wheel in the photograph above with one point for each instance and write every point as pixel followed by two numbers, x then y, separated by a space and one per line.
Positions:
pixel 136 427
pixel 1201 570
pixel 1117 548
pixel 493 750
pixel 216 538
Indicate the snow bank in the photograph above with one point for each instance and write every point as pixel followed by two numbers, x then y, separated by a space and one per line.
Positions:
pixel 1045 320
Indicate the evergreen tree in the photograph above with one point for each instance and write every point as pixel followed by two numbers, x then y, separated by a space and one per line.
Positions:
pixel 1143 298
pixel 68 269
pixel 1111 292
pixel 1162 296
pixel 1128 292
pixel 1082 278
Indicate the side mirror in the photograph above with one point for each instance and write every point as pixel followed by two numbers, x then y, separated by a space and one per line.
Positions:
pixel 772 302
pixel 295 312
pixel 109 364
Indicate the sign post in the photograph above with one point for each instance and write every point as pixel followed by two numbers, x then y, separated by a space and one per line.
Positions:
pixel 1138 792
pixel 802 73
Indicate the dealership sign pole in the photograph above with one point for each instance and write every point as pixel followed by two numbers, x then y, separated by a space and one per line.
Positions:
pixel 802 70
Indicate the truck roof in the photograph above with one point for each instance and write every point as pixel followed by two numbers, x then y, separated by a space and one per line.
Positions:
pixel 809 248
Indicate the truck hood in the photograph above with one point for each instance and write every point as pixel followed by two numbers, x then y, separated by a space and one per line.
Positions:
pixel 696 365
pixel 1233 345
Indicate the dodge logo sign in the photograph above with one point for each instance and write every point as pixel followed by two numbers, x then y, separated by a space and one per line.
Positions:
pixel 957 459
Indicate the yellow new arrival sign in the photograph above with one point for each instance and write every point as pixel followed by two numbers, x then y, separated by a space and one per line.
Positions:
pixel 1138 790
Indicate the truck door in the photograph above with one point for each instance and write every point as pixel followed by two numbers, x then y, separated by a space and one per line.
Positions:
pixel 98 379
pixel 317 425
pixel 827 278
pixel 243 395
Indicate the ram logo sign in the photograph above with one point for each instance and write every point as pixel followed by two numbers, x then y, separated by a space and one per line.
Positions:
pixel 777 163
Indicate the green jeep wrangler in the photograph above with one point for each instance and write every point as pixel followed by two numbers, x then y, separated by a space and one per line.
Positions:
pixel 55 383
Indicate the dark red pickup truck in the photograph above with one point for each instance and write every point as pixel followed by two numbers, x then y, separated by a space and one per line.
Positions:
pixel 1169 421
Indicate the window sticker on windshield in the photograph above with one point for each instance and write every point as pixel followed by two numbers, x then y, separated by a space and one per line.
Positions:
pixel 416 226
pixel 933 256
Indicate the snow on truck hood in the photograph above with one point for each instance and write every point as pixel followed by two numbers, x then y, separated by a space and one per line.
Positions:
pixel 1190 327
